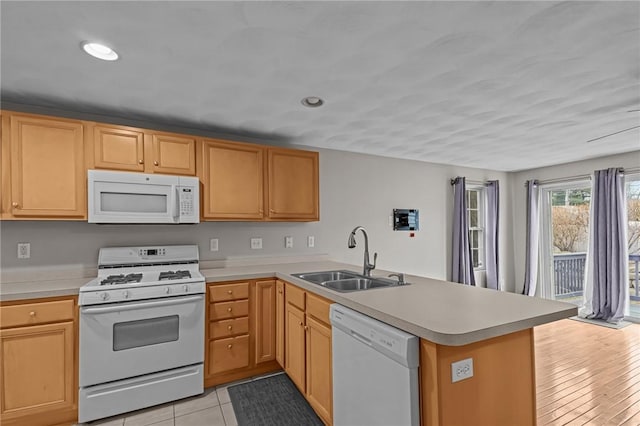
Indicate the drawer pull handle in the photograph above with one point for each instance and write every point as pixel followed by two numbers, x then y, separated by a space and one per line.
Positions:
pixel 140 162
pixel 229 310
pixel 229 328
pixel 16 205
pixel 230 292
pixel 229 346
pixel 155 163
pixel 32 313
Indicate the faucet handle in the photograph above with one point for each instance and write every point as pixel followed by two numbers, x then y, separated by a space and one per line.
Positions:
pixel 375 258
pixel 400 278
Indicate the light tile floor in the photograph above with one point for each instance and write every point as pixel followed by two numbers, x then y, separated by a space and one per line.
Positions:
pixel 213 408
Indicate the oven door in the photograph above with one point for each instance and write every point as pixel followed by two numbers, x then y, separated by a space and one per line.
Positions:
pixel 129 339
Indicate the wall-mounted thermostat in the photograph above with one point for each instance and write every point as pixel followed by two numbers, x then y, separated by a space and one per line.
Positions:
pixel 405 220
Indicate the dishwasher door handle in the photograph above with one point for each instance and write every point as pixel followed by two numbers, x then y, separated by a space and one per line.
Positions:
pixel 360 338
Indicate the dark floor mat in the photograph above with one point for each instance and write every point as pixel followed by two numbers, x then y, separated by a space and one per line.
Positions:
pixel 272 401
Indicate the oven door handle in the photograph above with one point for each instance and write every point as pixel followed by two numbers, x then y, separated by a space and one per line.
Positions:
pixel 128 307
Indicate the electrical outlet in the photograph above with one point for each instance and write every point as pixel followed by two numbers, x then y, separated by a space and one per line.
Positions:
pixel 311 241
pixel 288 242
pixel 24 250
pixel 213 244
pixel 461 370
pixel 256 243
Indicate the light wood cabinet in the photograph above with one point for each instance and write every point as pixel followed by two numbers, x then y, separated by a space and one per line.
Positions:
pixel 293 191
pixel 233 179
pixel 46 172
pixel 502 366
pixel 308 349
pixel 138 150
pixel 38 363
pixel 240 333
pixel 280 316
pixel 265 317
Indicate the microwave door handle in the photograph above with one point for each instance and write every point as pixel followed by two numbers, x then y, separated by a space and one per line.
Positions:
pixel 175 203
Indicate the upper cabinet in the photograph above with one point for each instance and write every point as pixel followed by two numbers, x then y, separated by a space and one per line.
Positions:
pixel 293 184
pixel 131 149
pixel 47 167
pixel 232 177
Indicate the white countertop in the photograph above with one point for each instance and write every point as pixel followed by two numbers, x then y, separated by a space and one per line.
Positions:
pixel 439 311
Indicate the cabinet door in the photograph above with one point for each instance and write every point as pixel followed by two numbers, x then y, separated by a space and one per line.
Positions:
pixel 37 370
pixel 118 148
pixel 232 176
pixel 295 346
pixel 174 154
pixel 265 321
pixel 47 167
pixel 293 184
pixel 280 316
pixel 319 373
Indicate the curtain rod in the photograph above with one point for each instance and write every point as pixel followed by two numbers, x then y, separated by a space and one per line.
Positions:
pixel 472 182
pixel 580 177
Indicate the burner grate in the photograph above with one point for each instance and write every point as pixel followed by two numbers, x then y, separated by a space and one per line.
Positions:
pixel 121 279
pixel 174 275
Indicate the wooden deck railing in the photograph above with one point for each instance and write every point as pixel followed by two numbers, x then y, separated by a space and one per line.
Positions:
pixel 569 274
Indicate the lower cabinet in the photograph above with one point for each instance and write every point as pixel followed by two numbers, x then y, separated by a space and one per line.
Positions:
pixel 240 332
pixel 38 363
pixel 308 348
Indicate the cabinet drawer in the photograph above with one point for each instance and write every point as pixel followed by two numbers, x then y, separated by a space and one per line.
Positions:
pixel 226 328
pixel 318 308
pixel 295 296
pixel 228 354
pixel 36 313
pixel 224 310
pixel 224 292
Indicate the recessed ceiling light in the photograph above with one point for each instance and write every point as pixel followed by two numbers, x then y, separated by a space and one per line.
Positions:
pixel 312 102
pixel 100 51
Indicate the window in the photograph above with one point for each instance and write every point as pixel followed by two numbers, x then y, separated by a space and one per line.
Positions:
pixel 475 218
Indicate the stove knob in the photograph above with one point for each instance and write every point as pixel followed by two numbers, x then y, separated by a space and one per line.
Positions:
pixel 167 290
pixel 104 296
pixel 185 288
pixel 125 294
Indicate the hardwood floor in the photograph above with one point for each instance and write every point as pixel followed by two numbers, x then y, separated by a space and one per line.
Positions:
pixel 587 374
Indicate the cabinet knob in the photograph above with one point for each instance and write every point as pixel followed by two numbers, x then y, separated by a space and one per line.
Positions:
pixel 306 327
pixel 229 309
pixel 272 211
pixel 229 291
pixel 301 324
pixel 229 346
pixel 16 205
pixel 140 161
pixel 155 163
pixel 229 328
pixel 280 291
pixel 32 313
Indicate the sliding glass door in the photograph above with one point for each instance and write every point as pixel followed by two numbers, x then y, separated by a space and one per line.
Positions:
pixel 633 234
pixel 564 240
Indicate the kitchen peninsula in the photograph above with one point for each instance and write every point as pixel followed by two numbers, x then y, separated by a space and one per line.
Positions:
pixel 453 321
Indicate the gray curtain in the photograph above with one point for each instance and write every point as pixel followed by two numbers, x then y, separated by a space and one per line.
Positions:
pixel 462 265
pixel 491 241
pixel 607 277
pixel 532 233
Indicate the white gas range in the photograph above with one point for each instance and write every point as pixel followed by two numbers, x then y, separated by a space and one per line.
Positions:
pixel 141 330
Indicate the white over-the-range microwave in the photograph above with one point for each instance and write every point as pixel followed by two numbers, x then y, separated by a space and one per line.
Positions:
pixel 127 197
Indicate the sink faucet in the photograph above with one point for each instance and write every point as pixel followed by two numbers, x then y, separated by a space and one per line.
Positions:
pixel 368 267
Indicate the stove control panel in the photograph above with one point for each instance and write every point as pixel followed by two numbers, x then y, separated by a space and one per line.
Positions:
pixel 150 252
pixel 139 292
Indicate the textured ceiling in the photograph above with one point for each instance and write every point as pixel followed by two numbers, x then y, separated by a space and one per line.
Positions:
pixel 496 85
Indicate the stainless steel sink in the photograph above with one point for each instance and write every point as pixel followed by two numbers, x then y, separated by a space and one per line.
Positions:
pixel 345 281
pixel 324 276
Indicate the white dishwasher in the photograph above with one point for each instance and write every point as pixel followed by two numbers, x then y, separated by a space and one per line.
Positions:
pixel 375 372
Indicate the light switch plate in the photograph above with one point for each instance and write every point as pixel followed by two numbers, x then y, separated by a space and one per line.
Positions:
pixel 213 244
pixel 256 243
pixel 288 242
pixel 311 241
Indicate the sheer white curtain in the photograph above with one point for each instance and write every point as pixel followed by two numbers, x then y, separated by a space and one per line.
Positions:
pixel 491 246
pixel 606 287
pixel 532 233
